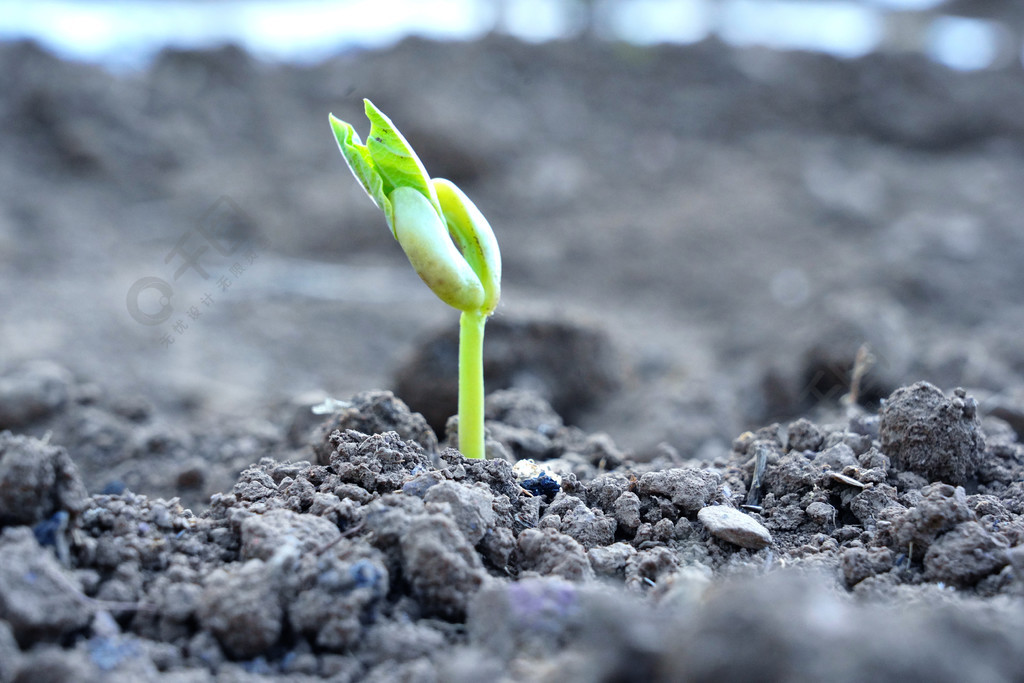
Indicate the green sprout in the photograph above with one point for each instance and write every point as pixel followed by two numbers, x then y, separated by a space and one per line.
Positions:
pixel 448 241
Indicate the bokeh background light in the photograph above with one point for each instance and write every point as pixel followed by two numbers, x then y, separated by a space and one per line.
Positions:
pixel 126 33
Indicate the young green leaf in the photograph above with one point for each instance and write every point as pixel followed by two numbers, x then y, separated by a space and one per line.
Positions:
pixel 361 164
pixel 394 158
pixel 385 163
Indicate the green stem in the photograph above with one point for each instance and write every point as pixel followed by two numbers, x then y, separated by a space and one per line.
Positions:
pixel 471 383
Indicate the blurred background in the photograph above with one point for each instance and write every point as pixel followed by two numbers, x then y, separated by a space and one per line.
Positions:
pixel 707 208
pixel 964 34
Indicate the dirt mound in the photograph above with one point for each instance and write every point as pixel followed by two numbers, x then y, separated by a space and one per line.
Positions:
pixel 391 558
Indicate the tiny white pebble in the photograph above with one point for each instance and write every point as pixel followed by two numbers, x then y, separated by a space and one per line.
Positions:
pixel 729 524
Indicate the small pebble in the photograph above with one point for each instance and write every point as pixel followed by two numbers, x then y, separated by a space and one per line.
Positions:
pixel 729 524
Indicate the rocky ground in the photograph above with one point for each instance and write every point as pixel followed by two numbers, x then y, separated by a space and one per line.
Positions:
pixel 718 263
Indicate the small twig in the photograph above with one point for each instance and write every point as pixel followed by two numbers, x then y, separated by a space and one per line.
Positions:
pixel 351 531
pixel 760 464
pixel 861 364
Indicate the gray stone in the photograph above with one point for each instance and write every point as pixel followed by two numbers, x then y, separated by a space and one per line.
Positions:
pixel 38 598
pixel 965 555
pixel 548 552
pixel 242 608
pixel 263 535
pixel 339 596
pixel 611 560
pixel 688 489
pixel 627 511
pixel 36 480
pixel 441 567
pixel 822 513
pixel 729 524
pixel 937 437
pixel 471 507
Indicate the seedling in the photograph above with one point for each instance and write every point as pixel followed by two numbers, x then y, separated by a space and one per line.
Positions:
pixel 448 241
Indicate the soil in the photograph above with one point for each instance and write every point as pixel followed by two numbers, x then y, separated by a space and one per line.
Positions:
pixel 760 336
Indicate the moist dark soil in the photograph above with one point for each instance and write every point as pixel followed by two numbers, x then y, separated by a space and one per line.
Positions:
pixel 759 339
